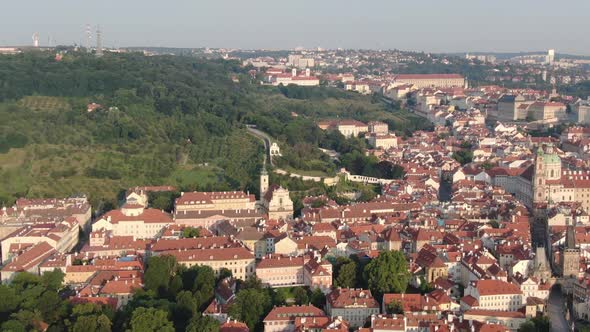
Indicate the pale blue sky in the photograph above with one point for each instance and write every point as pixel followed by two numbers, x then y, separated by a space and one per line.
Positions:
pixel 428 25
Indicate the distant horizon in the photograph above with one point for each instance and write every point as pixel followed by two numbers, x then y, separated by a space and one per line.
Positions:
pixel 432 26
pixel 299 49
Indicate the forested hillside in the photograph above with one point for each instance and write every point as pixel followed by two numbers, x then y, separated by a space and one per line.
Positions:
pixel 164 120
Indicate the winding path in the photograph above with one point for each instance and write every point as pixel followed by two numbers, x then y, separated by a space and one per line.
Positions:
pixel 265 139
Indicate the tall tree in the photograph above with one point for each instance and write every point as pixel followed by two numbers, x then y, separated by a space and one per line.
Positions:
pixel 388 273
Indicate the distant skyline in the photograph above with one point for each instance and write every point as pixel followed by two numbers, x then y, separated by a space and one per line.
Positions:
pixel 442 26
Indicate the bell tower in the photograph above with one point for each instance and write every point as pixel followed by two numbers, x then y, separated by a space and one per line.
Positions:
pixel 263 181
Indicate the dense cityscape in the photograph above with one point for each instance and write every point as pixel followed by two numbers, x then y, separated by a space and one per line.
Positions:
pixel 301 190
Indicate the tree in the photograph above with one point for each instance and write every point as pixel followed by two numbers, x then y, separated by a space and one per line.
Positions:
pixel 158 273
pixel 527 326
pixel 150 319
pixel 395 307
pixel 252 283
pixel 191 232
pixel 224 273
pixel 346 275
pixel 10 299
pixel 388 273
pixel 538 324
pixel 463 156
pixel 250 306
pixel 92 323
pixel 318 298
pixel 278 297
pixel 185 308
pixel 300 295
pixel 13 325
pixel 53 280
pixel 202 324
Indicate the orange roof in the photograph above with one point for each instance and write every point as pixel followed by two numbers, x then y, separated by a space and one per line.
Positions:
pixel 35 255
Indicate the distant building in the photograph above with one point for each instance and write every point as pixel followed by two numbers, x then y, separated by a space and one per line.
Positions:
pixel 547 112
pixel 292 78
pixel 348 128
pixel 550 59
pixel 383 141
pixel 509 108
pixel 378 127
pixel 431 80
pixel 581 111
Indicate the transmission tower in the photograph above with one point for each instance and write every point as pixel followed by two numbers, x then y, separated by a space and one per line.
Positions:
pixel 98 41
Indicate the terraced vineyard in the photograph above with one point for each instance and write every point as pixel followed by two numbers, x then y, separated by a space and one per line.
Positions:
pixel 44 103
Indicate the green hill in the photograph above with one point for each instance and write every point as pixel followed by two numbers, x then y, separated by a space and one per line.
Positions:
pixel 165 120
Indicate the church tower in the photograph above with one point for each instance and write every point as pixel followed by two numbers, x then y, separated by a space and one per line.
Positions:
pixel 263 182
pixel 547 168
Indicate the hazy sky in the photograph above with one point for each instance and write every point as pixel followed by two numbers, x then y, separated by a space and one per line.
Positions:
pixel 428 25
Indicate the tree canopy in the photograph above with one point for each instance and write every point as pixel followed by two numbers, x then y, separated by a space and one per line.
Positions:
pixel 387 273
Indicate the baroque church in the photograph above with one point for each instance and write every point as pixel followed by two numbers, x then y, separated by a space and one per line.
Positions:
pixel 274 199
pixel 552 184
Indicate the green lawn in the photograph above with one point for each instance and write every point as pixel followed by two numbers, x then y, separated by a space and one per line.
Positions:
pixel 195 176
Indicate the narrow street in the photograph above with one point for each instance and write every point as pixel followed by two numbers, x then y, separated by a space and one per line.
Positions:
pixel 556 310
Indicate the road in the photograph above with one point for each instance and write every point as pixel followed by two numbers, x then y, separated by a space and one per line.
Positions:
pixel 265 139
pixel 556 310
